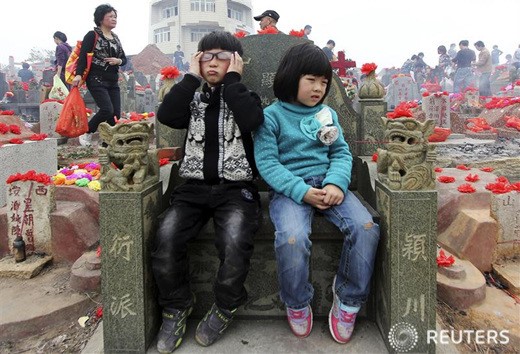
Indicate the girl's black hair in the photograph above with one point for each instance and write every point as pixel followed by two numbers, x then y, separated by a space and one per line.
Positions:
pixel 220 39
pixel 301 59
pixel 60 35
pixel 101 11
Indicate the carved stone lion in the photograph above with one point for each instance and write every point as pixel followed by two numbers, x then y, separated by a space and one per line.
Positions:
pixel 407 164
pixel 126 163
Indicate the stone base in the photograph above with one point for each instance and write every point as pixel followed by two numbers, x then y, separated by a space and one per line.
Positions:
pixel 27 269
pixel 509 274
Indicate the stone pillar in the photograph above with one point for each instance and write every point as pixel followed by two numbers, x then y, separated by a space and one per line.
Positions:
pixel 128 224
pixel 370 132
pixel 405 274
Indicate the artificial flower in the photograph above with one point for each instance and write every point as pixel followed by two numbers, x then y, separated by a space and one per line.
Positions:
pixel 512 122
pixel 487 169
pixel 15 129
pixel 38 137
pixel 6 113
pixel 446 179
pixel 472 178
pixel 170 72
pixel 466 188
pixel 240 34
pixel 268 30
pixel 4 128
pixel 94 185
pixel 439 135
pixel 438 169
pixel 59 179
pixel 443 261
pixel 463 167
pixel 502 179
pixel 99 310
pixel 367 68
pixel 498 187
pixel 425 94
pixel 30 176
pixel 98 251
pixel 15 141
pixel 295 33
pixel 82 182
pixel 164 161
pixel 515 186
pixel 375 156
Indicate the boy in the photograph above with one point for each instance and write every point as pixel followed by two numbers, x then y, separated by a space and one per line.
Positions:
pixel 219 168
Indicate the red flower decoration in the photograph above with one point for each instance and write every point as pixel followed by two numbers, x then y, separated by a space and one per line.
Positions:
pixel 268 30
pixel 15 129
pixel 438 169
pixel 170 72
pixel 472 178
pixel 446 179
pixel 502 179
pixel 36 137
pixel 164 161
pixel 425 94
pixel 498 188
pixel 295 33
pixel 466 188
pixel 4 129
pixel 99 312
pixel 367 68
pixel 7 113
pixel 515 186
pixel 240 34
pixel 487 169
pixel 15 141
pixel 98 252
pixel 375 156
pixel 443 261
pixel 30 176
pixel 463 167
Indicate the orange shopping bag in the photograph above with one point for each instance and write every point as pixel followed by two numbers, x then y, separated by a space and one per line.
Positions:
pixel 73 120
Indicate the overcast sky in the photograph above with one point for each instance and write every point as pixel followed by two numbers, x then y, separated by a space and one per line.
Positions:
pixel 382 31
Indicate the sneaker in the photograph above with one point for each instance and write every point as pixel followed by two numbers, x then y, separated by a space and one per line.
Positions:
pixel 341 322
pixel 300 321
pixel 85 139
pixel 212 326
pixel 172 329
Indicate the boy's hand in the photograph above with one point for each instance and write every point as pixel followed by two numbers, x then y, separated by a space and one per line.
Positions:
pixel 195 64
pixel 315 197
pixel 334 195
pixel 236 63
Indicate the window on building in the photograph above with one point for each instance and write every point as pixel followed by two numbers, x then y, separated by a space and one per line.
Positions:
pixel 203 5
pixel 161 35
pixel 170 12
pixel 198 33
pixel 235 14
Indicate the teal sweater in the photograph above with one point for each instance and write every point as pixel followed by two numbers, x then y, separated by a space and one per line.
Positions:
pixel 285 153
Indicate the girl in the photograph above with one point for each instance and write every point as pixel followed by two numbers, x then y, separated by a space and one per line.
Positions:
pixel 301 153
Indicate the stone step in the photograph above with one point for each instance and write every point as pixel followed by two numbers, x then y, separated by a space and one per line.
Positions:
pixel 508 272
pixel 86 273
pixel 29 306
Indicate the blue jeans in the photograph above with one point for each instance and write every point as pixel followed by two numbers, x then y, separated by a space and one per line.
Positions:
pixel 484 85
pixel 463 79
pixel 292 222
pixel 107 96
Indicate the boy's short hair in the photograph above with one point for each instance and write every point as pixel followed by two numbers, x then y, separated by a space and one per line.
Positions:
pixel 479 44
pixel 220 39
pixel 464 42
pixel 301 59
pixel 330 41
pixel 25 65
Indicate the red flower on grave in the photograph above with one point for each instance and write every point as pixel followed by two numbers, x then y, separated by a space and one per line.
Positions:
pixel 438 169
pixel 30 176
pixel 425 94
pixel 15 141
pixel 98 252
pixel 295 33
pixel 463 167
pixel 443 261
pixel 446 179
pixel 515 186
pixel 498 187
pixel 15 129
pixel 439 134
pixel 375 156
pixel 512 122
pixel 240 34
pixel 36 137
pixel 164 161
pixel 472 178
pixel 367 68
pixel 7 113
pixel 170 72
pixel 4 128
pixel 502 179
pixel 466 188
pixel 487 169
pixel 268 30
pixel 99 312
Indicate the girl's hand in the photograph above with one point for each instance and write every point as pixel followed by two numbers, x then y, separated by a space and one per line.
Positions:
pixel 236 64
pixel 334 195
pixel 315 197
pixel 195 64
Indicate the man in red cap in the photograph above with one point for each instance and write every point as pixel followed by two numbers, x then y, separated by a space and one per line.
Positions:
pixel 268 18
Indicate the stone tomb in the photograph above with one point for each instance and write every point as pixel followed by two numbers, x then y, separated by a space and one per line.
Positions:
pixel 505 208
pixel 49 114
pixel 29 205
pixel 437 108
pixel 402 88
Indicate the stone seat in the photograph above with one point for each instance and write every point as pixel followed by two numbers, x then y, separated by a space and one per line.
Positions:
pixel 262 283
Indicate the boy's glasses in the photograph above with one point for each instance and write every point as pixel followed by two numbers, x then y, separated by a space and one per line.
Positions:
pixel 207 56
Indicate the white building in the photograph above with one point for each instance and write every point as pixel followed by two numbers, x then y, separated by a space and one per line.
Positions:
pixel 185 22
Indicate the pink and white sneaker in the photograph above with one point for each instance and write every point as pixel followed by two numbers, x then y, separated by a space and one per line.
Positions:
pixel 341 322
pixel 300 321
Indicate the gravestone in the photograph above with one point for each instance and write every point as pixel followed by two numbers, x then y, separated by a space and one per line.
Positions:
pixel 4 86
pixel 139 101
pixel 505 208
pixel 29 205
pixel 49 114
pixel 402 88
pixel 150 101
pixel 370 130
pixel 437 108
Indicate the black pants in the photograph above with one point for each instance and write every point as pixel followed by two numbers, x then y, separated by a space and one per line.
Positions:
pixel 107 96
pixel 235 209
